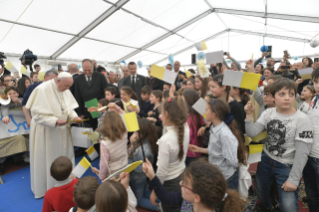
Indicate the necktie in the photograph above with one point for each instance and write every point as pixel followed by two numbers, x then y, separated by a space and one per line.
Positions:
pixel 89 81
pixel 133 83
pixel 315 100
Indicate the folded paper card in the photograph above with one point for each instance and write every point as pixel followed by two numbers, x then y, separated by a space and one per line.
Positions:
pixel 200 106
pixel 163 74
pixel 241 79
pixel 255 153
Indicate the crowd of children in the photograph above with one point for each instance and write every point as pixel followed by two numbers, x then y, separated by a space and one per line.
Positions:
pixel 175 140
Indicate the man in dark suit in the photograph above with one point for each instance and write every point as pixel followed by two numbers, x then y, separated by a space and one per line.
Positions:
pixel 74 70
pixel 88 86
pixel 180 75
pixel 154 83
pixel 135 81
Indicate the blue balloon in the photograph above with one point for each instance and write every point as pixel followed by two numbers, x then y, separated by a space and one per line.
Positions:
pixel 201 55
pixel 296 58
pixel 139 64
pixel 171 59
pixel 264 49
pixel 79 66
pixel 261 61
pixel 123 61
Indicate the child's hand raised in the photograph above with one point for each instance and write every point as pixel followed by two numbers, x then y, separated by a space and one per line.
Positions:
pixel 148 169
pixel 249 108
pixel 201 131
pixel 133 137
pixel 151 119
pixel 125 178
pixel 95 170
pixel 172 91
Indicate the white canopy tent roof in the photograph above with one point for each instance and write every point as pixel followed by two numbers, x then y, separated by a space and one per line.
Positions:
pixel 150 30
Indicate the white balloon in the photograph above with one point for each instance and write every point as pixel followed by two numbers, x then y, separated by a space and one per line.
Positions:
pixel 314 43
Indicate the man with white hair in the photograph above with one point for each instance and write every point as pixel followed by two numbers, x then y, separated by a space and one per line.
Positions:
pixel 126 73
pixel 52 105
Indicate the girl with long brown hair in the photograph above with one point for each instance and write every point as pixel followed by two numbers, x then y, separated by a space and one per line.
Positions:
pixel 148 138
pixel 129 99
pixel 194 121
pixel 203 189
pixel 173 146
pixel 113 146
pixel 226 147
pixel 201 85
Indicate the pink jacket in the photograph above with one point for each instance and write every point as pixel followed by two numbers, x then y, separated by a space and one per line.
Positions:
pixel 191 121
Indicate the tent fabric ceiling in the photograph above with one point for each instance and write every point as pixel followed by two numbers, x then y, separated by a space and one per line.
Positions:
pixel 45 26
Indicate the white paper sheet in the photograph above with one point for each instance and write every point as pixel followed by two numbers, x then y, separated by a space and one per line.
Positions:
pixel 214 57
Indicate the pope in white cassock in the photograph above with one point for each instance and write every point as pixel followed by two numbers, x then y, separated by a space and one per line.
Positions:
pixel 51 105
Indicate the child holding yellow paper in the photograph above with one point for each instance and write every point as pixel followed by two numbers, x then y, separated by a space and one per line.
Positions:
pixel 130 100
pixel 113 146
pixel 138 179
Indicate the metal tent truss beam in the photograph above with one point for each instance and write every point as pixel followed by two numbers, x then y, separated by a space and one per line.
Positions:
pixel 270 35
pixel 192 46
pixel 90 27
pixel 267 15
pixel 154 24
pixel 166 35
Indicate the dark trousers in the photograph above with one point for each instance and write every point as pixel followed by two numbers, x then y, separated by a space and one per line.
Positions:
pixel 311 177
pixel 267 169
pixel 172 185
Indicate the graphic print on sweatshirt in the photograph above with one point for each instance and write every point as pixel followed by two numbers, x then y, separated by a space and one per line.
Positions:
pixel 276 144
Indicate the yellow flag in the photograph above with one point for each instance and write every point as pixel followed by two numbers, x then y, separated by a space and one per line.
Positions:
pixel 133 166
pixel 252 56
pixel 23 70
pixel 85 163
pixel 157 72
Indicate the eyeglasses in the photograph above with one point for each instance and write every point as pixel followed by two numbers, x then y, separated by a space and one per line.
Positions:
pixel 182 185
pixel 9 80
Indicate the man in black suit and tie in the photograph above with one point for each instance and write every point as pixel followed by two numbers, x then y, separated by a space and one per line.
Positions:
pixel 135 81
pixel 154 83
pixel 88 86
pixel 74 71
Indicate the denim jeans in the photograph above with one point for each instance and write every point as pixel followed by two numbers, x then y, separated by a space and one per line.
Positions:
pixel 267 169
pixel 311 177
pixel 232 182
pixel 142 194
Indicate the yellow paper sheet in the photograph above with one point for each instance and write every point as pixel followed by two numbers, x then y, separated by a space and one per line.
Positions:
pixel 253 149
pixel 41 76
pixel 250 81
pixel 23 70
pixel 85 163
pixel 131 122
pixel 133 166
pixel 94 137
pixel 157 72
pixel 8 65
